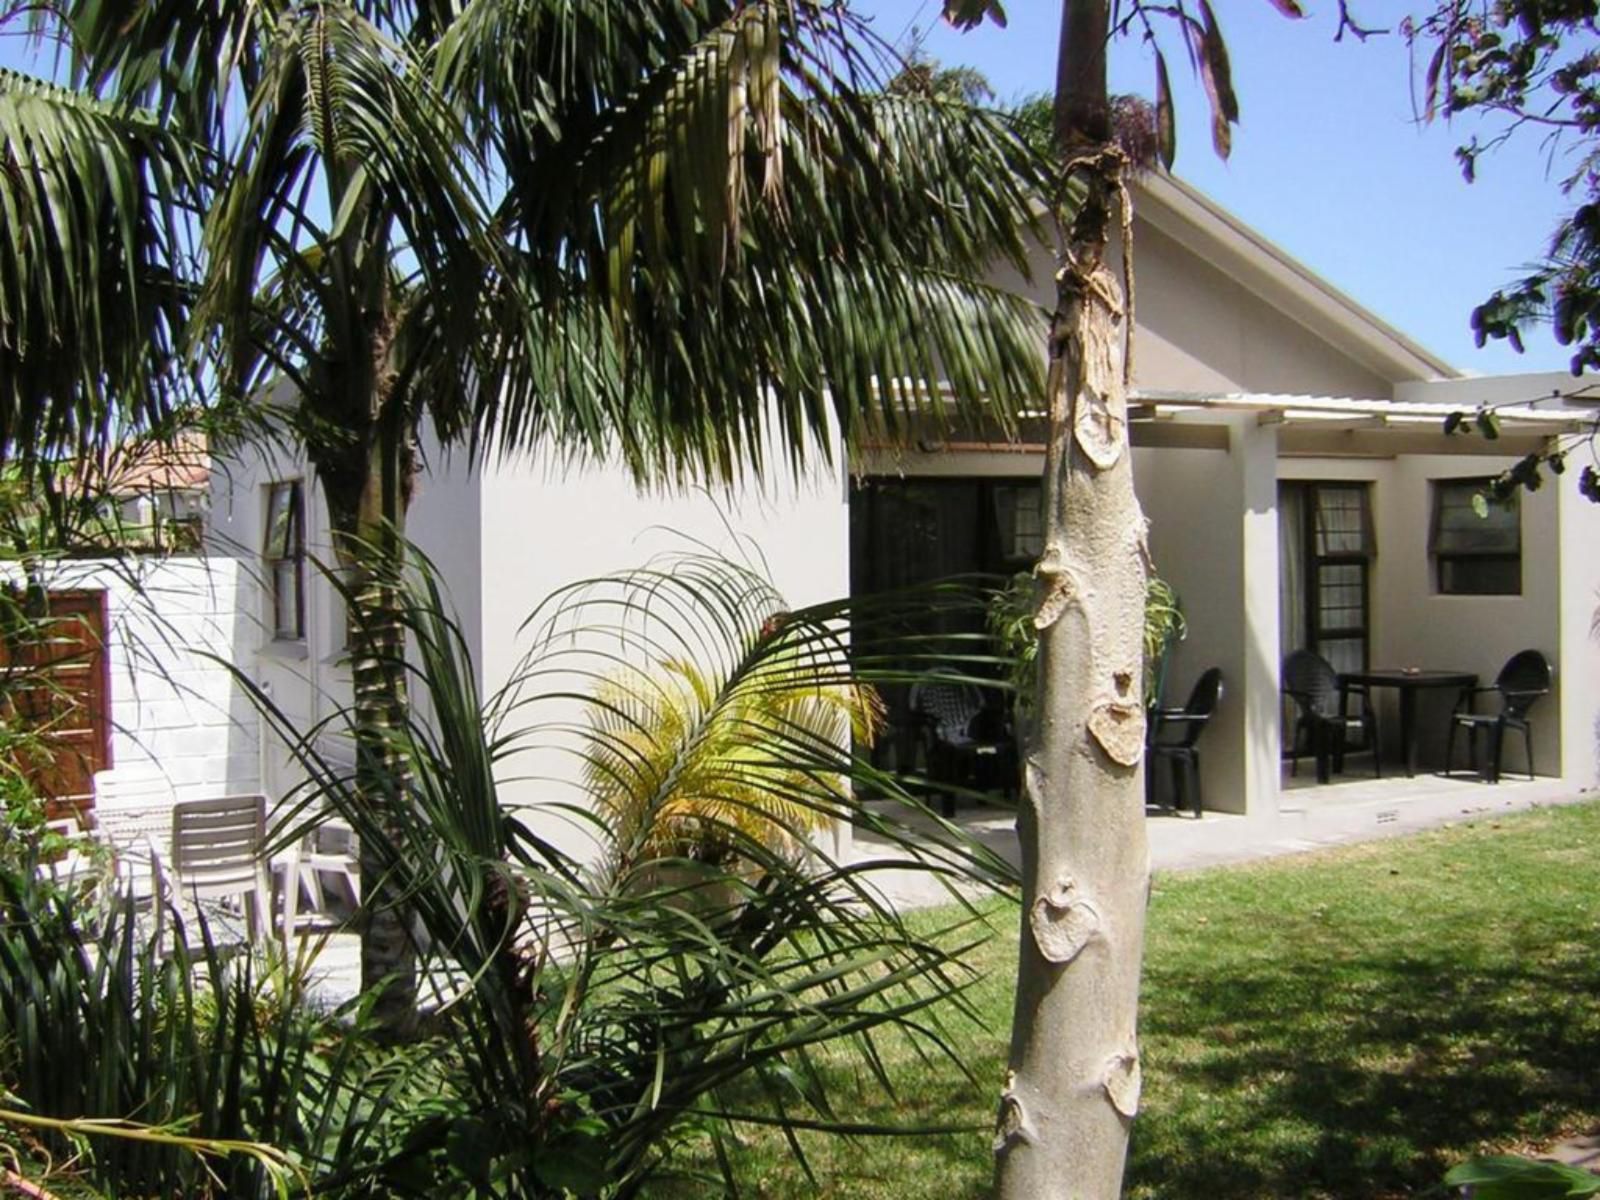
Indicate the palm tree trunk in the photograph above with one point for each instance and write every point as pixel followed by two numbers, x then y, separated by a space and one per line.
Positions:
pixel 1073 1085
pixel 367 514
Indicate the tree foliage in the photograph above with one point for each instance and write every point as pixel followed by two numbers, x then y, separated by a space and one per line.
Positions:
pixel 1533 66
pixel 683 236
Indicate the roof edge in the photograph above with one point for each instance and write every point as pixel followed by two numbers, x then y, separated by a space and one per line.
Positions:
pixel 1191 217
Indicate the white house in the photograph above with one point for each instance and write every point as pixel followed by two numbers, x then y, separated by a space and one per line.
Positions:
pixel 1267 402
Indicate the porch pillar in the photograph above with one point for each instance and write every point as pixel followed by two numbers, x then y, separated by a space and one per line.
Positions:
pixel 1253 454
pixel 1578 655
pixel 1210 494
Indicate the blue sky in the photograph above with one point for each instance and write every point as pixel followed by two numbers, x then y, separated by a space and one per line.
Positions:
pixel 1328 160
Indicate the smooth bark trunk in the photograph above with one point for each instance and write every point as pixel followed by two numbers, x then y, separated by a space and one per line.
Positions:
pixel 1073 1085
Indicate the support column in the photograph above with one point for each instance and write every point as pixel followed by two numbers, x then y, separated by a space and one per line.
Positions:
pixel 1578 656
pixel 1253 451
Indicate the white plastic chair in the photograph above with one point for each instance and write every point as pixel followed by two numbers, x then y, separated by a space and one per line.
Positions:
pixel 217 849
pixel 331 848
pixel 133 816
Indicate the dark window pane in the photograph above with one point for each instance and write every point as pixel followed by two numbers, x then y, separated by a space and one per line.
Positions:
pixel 1480 576
pixel 1475 555
pixel 284 551
pixel 1344 654
pixel 1342 525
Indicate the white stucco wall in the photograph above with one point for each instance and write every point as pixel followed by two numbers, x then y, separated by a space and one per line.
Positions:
pixel 551 525
pixel 1213 537
pixel 1200 331
pixel 304 677
pixel 1579 617
pixel 176 710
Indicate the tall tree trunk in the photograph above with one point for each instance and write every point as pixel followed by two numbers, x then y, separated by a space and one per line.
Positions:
pixel 368 487
pixel 1073 1085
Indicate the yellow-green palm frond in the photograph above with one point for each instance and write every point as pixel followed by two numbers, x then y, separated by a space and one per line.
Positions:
pixel 692 761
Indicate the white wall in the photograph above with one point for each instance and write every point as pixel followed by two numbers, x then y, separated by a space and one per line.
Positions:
pixel 1213 537
pixel 546 525
pixel 1200 331
pixel 305 677
pixel 176 710
pixel 1578 672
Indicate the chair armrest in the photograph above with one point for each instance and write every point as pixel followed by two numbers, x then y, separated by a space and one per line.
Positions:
pixel 1466 698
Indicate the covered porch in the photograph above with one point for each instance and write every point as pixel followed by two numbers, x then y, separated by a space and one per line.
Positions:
pixel 1320 522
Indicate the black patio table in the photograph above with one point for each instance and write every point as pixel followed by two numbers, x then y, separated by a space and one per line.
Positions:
pixel 1408 681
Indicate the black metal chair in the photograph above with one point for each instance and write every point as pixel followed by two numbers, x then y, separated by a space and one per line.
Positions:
pixel 1173 733
pixel 966 744
pixel 1521 682
pixel 1324 714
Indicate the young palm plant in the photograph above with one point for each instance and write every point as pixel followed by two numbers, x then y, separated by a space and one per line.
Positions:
pixel 674 790
pixel 593 1014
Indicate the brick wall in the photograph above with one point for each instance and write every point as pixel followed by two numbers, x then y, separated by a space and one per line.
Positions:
pixel 173 627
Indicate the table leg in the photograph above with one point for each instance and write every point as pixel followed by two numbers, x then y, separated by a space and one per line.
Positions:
pixel 1408 729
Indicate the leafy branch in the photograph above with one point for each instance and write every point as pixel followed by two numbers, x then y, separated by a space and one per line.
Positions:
pixel 1527 473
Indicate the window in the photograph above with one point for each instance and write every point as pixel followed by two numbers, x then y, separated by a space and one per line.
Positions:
pixel 1326 552
pixel 1476 544
pixel 1021 524
pixel 286 556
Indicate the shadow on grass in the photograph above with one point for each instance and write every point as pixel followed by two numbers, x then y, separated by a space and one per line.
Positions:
pixel 1368 1076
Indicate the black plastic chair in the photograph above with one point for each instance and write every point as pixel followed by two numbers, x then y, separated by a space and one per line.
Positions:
pixel 1324 714
pixel 965 744
pixel 1521 682
pixel 1173 734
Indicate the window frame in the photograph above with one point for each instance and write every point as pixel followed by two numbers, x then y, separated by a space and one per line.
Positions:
pixel 1316 560
pixel 285 547
pixel 1443 560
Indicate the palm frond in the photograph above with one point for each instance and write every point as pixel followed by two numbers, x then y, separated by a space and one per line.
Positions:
pixel 95 270
pixel 732 238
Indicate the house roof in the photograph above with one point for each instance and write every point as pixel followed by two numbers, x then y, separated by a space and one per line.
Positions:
pixel 183 466
pixel 1206 229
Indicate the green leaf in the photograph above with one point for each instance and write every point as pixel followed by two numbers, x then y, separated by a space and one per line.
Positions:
pixel 1166 120
pixel 1508 1177
pixel 1454 422
pixel 1480 505
pixel 575 1160
pixel 1488 424
pixel 965 14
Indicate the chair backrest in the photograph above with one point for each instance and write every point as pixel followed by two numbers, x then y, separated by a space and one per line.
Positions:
pixel 1203 700
pixel 1524 678
pixel 132 808
pixel 1312 683
pixel 216 844
pixel 950 706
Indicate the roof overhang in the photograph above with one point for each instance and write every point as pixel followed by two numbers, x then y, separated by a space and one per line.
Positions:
pixel 1320 426
pixel 1340 426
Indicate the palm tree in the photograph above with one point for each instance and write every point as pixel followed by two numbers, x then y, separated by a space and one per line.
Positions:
pixel 670 233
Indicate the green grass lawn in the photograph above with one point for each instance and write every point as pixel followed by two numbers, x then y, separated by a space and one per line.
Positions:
pixel 1341 1024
